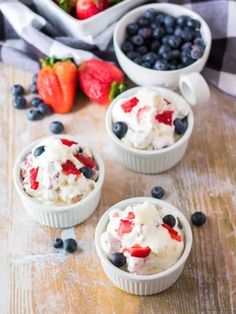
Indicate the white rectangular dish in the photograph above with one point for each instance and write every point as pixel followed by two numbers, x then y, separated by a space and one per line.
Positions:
pixel 89 27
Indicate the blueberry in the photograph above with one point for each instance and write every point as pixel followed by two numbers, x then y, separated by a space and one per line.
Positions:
pixel 142 50
pixel 44 109
pixel 87 172
pixel 70 245
pixel 158 32
pixel 132 28
pixel 180 226
pixel 34 78
pixel 182 20
pixel 127 47
pixel 169 220
pixel 146 65
pixel 142 21
pixel 186 48
pixel 186 34
pixel 193 24
pixel 165 48
pixel 36 101
pixel 118 259
pixel 181 125
pixel 120 129
pixel 150 14
pixel 137 40
pixel 197 52
pixel 155 46
pixel 158 192
pixel 58 243
pixel 33 88
pixel 19 102
pixel 175 54
pixel 199 42
pixel 132 55
pixel 17 90
pixel 138 60
pixel 178 31
pixel 172 67
pixel 145 32
pixel 150 57
pixel 166 55
pixel 160 19
pixel 165 39
pixel 186 60
pixel 169 30
pixel 33 115
pixel 56 127
pixel 161 65
pixel 39 150
pixel 198 219
pixel 169 21
pixel 174 41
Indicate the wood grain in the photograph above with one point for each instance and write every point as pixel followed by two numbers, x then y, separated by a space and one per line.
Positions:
pixel 36 279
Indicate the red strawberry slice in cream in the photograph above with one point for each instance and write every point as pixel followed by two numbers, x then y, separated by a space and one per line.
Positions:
pixel 131 215
pixel 141 112
pixel 130 104
pixel 68 142
pixel 69 168
pixel 165 117
pixel 139 251
pixel 34 184
pixel 126 226
pixel 173 233
pixel 87 161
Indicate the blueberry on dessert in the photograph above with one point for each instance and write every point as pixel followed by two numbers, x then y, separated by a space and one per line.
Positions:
pixel 119 129
pixel 118 259
pixel 39 150
pixel 169 220
pixel 181 125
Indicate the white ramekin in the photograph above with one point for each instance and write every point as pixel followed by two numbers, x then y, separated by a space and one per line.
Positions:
pixel 59 216
pixel 140 284
pixel 145 161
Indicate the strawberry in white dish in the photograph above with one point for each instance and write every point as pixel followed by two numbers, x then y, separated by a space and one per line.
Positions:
pixel 59 171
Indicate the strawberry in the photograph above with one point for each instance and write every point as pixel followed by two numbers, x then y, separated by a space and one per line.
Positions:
pixel 139 251
pixel 69 168
pixel 87 161
pixel 165 117
pixel 56 84
pixel 34 184
pixel 141 112
pixel 125 226
pixel 67 142
pixel 101 81
pixel 131 215
pixel 88 8
pixel 129 104
pixel 173 233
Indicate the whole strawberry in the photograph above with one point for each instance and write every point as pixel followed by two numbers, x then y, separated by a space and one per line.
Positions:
pixel 56 84
pixel 88 8
pixel 101 81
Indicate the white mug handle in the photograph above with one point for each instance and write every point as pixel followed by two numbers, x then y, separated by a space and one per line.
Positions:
pixel 194 88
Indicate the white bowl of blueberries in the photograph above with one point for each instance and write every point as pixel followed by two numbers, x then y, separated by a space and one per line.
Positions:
pixel 165 45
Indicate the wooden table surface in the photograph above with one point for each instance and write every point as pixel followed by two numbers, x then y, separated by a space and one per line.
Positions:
pixel 36 279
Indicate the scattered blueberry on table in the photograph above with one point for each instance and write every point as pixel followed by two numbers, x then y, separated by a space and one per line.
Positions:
pixel 36 101
pixel 70 245
pixel 118 259
pixel 19 102
pixel 33 115
pixel 56 127
pixel 198 219
pixel 58 243
pixel 162 42
pixel 17 90
pixel 158 192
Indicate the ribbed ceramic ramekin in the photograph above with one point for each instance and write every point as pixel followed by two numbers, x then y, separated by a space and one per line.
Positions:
pixel 59 216
pixel 145 161
pixel 140 284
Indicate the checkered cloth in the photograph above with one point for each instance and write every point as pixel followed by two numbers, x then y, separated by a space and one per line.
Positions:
pixel 25 37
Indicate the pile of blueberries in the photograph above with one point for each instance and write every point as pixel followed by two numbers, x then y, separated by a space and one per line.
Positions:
pixel 39 110
pixel 162 42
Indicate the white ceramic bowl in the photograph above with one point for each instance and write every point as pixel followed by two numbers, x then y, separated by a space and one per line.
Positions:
pixel 149 161
pixel 140 284
pixel 82 28
pixel 59 216
pixel 192 85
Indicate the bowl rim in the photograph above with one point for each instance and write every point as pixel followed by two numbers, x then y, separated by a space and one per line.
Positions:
pixel 135 200
pixel 160 6
pixel 53 208
pixel 155 152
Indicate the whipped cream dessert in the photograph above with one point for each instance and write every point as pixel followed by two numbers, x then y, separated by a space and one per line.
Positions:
pixel 149 244
pixel 59 171
pixel 150 118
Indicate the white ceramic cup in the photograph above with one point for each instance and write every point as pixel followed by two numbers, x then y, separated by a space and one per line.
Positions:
pixel 143 284
pixel 192 85
pixel 149 161
pixel 59 216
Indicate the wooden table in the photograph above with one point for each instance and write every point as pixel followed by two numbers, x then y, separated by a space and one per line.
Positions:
pixel 35 279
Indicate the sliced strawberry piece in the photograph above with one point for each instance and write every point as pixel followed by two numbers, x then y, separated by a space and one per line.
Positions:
pixel 165 117
pixel 130 104
pixel 141 112
pixel 125 226
pixel 173 233
pixel 131 215
pixel 87 161
pixel 68 142
pixel 139 251
pixel 167 101
pixel 69 168
pixel 34 184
